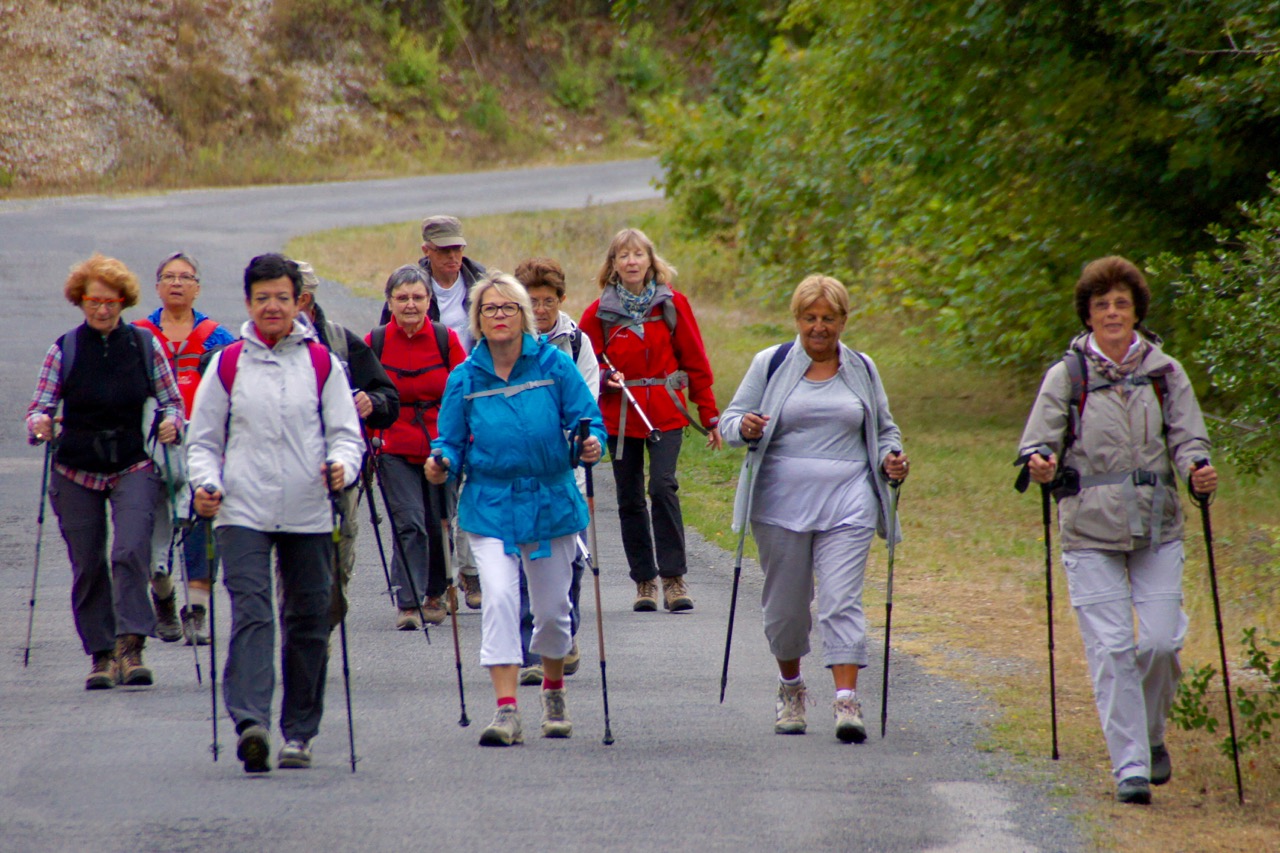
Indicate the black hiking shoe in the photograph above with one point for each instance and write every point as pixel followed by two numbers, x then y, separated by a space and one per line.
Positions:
pixel 1161 765
pixel 1134 790
pixel 254 749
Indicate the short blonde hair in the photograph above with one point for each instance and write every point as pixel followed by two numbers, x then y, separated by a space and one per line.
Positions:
pixel 815 287
pixel 659 269
pixel 507 286
pixel 111 272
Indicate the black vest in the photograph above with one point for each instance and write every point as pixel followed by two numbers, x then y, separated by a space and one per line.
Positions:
pixel 102 400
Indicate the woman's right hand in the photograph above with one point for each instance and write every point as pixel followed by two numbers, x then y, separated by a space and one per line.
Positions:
pixel 616 381
pixel 42 428
pixel 435 472
pixel 752 425
pixel 1042 470
pixel 207 503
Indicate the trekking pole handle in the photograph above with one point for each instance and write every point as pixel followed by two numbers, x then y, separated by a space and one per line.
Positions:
pixel 1202 499
pixel 584 432
pixel 438 455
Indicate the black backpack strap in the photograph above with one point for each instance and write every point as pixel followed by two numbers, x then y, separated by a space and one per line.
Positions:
pixel 377 340
pixel 575 343
pixel 775 360
pixel 1078 374
pixel 67 343
pixel 442 342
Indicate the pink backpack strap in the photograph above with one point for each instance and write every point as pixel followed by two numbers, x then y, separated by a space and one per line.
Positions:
pixel 322 365
pixel 227 364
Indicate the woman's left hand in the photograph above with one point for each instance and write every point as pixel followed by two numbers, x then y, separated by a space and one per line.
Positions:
pixel 896 466
pixel 590 451
pixel 168 431
pixel 714 441
pixel 1204 480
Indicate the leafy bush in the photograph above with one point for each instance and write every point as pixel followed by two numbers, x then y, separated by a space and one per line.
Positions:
pixel 1258 709
pixel 638 66
pixel 576 85
pixel 486 114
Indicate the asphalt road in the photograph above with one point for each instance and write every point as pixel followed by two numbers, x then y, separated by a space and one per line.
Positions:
pixel 131 770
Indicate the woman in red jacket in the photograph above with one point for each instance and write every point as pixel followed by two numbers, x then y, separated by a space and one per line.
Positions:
pixel 418 355
pixel 652 364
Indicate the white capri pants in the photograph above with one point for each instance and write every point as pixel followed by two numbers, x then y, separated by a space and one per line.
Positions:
pixel 549 578
pixel 837 560
pixel 1134 683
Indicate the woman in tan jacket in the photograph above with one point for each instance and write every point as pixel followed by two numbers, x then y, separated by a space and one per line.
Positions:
pixel 1115 422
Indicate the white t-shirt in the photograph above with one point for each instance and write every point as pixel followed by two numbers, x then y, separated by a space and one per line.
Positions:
pixel 452 312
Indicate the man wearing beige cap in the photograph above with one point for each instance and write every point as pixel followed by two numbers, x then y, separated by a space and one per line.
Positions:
pixel 442 258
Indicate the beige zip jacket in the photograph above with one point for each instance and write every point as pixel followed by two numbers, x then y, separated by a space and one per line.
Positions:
pixel 1121 431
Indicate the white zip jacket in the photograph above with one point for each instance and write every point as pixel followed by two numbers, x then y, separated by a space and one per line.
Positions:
pixel 266 457
pixel 588 366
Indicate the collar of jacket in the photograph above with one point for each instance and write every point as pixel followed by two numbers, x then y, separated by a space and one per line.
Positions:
pixel 483 359
pixel 301 331
pixel 610 303
pixel 563 328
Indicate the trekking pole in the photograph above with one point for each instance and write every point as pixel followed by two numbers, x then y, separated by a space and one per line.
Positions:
pixel 211 558
pixel 174 523
pixel 654 435
pixel 373 446
pixel 737 566
pixel 584 431
pixel 446 532
pixel 894 488
pixel 335 511
pixel 1046 490
pixel 1204 501
pixel 404 559
pixel 35 573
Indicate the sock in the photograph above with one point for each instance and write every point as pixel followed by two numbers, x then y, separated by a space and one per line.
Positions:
pixel 161 584
pixel 506 700
pixel 548 684
pixel 846 694
pixel 199 597
pixel 792 682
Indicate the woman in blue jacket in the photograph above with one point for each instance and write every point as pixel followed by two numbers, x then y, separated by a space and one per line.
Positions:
pixel 507 416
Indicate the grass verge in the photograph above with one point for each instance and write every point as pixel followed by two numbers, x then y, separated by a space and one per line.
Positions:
pixel 969 595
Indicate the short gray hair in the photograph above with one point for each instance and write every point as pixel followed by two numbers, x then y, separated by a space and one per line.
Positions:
pixel 510 287
pixel 178 256
pixel 407 274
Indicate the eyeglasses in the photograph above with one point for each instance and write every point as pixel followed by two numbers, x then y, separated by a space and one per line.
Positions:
pixel 403 299
pixel 93 303
pixel 549 304
pixel 505 309
pixel 1120 304
pixel 181 278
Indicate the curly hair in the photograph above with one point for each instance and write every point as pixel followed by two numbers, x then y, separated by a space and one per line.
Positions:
pixel 634 238
pixel 111 272
pixel 541 272
pixel 1100 277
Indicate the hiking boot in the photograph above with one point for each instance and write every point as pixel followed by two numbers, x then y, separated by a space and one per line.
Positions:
pixel 1134 790
pixel 168 627
pixel 408 619
pixel 572 660
pixel 555 719
pixel 433 611
pixel 505 728
pixel 646 596
pixel 103 674
pixel 849 726
pixel 296 754
pixel 790 709
pixel 129 660
pixel 1161 765
pixel 531 674
pixel 195 627
pixel 254 749
pixel 471 588
pixel 675 595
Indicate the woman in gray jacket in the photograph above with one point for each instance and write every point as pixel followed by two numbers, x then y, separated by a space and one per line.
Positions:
pixel 1122 418
pixel 827 448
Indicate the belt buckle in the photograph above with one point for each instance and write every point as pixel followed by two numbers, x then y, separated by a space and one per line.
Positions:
pixel 1144 478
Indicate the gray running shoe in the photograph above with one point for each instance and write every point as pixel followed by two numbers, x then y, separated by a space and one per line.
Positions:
pixel 790 709
pixel 505 728
pixel 531 674
pixel 103 674
pixel 195 626
pixel 572 660
pixel 254 749
pixel 1161 765
pixel 295 754
pixel 675 595
pixel 555 718
pixel 646 596
pixel 1134 790
pixel 849 726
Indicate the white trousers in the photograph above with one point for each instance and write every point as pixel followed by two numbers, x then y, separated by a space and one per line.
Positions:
pixel 548 577
pixel 1134 682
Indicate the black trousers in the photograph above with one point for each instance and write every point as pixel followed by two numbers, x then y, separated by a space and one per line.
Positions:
pixel 652 532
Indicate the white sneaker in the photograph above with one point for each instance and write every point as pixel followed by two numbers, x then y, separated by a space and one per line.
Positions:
pixel 295 753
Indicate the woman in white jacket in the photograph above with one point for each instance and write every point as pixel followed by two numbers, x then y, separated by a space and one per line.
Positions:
pixel 274 429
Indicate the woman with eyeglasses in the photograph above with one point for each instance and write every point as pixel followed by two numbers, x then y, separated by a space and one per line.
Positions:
pixel 503 425
pixel 418 354
pixel 102 373
pixel 186 334
pixel 652 366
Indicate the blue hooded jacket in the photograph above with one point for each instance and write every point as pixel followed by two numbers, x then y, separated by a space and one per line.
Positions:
pixel 512 445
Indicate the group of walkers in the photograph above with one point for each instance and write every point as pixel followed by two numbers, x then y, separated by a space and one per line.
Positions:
pixel 478 407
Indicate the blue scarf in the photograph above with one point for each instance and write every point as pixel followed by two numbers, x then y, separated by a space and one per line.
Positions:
pixel 637 304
